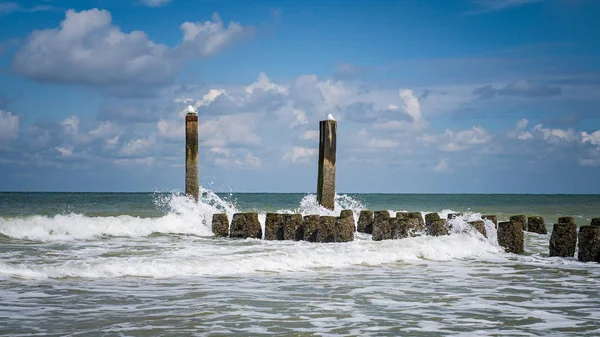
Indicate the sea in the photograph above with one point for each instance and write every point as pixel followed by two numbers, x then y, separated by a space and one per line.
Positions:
pixel 147 264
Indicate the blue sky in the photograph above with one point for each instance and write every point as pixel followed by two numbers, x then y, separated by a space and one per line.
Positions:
pixel 465 96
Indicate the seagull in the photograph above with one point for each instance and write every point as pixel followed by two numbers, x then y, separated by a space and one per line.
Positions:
pixel 191 109
pixel 330 117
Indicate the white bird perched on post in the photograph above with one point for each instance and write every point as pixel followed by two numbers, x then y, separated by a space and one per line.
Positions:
pixel 191 110
pixel 330 117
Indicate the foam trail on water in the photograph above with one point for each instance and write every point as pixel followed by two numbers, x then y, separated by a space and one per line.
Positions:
pixel 237 257
pixel 183 216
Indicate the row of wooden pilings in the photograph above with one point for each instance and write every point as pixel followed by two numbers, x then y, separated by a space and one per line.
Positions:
pixel 316 228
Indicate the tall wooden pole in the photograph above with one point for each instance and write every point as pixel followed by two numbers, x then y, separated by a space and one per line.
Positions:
pixel 326 177
pixel 191 155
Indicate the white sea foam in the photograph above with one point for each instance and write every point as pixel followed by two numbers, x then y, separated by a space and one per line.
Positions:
pixel 184 216
pixel 235 257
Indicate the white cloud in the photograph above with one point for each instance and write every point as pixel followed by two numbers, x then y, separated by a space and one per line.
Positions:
pixel 103 130
pixel 300 118
pixel 87 48
pixel 392 125
pixel 207 38
pixel 442 166
pixel 171 130
pixel 458 141
pixel 554 134
pixel 299 153
pixel 589 162
pixel 382 143
pixel 519 132
pixel 146 161
pixel 411 105
pixel 239 158
pixel 8 7
pixel 71 125
pixel 112 142
pixel 138 146
pixel 9 127
pixel 155 3
pixel 264 83
pixel 65 151
pixel 593 138
pixel 310 135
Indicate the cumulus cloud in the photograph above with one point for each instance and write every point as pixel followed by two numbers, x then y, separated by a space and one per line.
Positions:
pixel 550 134
pixel 592 138
pixel 520 131
pixel 87 48
pixel 411 105
pixel 207 38
pixel 523 88
pixel 462 140
pixel 264 83
pixel 136 147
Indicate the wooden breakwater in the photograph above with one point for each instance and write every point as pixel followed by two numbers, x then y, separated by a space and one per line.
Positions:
pixel 381 226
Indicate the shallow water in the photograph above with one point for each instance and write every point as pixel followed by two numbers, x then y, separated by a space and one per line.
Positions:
pixel 97 267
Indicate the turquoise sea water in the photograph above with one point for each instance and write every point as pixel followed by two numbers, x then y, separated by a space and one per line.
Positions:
pixel 146 264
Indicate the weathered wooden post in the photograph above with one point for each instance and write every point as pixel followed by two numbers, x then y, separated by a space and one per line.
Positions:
pixel 365 222
pixel 564 238
pixel 510 237
pixel 191 155
pixel 220 225
pixel 589 244
pixel 326 177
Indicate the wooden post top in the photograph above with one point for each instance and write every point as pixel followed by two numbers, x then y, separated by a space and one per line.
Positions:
pixel 191 117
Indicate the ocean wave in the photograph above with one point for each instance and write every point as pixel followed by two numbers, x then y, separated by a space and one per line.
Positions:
pixel 236 257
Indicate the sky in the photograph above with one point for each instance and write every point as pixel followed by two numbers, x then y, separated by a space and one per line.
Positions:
pixel 462 96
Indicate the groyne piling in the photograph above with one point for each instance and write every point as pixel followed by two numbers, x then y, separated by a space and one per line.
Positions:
pixel 589 244
pixel 245 225
pixel 566 219
pixel 479 226
pixel 220 225
pixel 326 229
pixel 563 239
pixel 536 224
pixel 382 226
pixel 316 228
pixel 510 237
pixel 311 225
pixel 454 215
pixel 365 222
pixel 522 219
pixel 431 217
pixel 436 228
pixel 327 157
pixel 492 218
pixel 274 226
pixel 192 187
pixel 293 228
pixel 344 228
pixel 419 218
